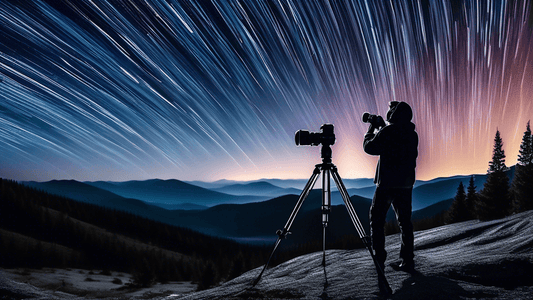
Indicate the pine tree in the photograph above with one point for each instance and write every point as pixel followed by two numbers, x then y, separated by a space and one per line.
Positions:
pixel 143 273
pixel 471 199
pixel 523 180
pixel 237 266
pixel 526 148
pixel 494 201
pixel 208 277
pixel 458 210
pixel 498 156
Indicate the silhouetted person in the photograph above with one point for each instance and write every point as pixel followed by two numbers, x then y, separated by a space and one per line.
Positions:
pixel 397 147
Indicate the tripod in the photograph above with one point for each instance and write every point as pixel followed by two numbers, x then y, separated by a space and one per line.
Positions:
pixel 328 169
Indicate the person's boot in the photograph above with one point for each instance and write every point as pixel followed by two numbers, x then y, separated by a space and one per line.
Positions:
pixel 405 265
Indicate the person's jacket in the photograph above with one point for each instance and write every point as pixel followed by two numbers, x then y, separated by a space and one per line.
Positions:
pixel 397 147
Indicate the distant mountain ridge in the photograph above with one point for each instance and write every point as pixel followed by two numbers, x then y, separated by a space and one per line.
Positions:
pixel 75 190
pixel 298 184
pixel 84 192
pixel 168 193
pixel 259 188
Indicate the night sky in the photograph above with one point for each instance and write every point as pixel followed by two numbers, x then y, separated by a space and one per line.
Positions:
pixel 205 90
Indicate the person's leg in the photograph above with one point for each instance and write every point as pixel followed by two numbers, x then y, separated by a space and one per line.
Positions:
pixel 402 207
pixel 378 211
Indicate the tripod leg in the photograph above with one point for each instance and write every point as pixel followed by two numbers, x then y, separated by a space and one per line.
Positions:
pixel 308 187
pixel 382 280
pixel 324 246
pixel 351 210
pixel 326 208
pixel 324 256
pixel 283 233
pixel 266 265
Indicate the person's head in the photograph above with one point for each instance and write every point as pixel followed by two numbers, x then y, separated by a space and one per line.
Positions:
pixel 399 112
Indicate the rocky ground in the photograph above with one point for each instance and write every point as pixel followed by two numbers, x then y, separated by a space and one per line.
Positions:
pixel 81 284
pixel 469 260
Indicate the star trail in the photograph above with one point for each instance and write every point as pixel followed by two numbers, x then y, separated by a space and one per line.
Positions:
pixel 121 90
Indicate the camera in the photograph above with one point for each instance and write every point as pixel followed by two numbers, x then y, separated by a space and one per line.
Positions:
pixel 376 120
pixel 325 137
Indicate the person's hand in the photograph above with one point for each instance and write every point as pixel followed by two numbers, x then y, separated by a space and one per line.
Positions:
pixel 371 129
pixel 380 122
pixel 377 124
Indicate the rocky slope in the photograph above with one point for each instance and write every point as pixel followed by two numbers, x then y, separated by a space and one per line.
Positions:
pixel 458 261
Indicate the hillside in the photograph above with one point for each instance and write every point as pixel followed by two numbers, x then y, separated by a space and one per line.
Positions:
pixel 258 222
pixel 262 219
pixel 44 230
pixel 482 260
pixel 87 193
pixel 432 210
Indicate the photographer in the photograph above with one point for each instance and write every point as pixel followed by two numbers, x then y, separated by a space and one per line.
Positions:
pixel 397 147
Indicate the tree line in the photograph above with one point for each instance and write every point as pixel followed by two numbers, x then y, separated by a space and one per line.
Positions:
pixel 499 197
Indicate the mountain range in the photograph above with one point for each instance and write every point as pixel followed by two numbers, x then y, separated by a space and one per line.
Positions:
pixel 259 188
pixel 248 211
pixel 283 183
pixel 172 194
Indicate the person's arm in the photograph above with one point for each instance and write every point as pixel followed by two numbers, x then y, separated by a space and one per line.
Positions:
pixel 373 143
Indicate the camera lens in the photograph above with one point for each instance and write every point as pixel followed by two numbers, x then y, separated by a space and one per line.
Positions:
pixel 302 138
pixel 366 116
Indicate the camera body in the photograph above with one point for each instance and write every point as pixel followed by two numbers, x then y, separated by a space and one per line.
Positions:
pixel 376 120
pixel 326 136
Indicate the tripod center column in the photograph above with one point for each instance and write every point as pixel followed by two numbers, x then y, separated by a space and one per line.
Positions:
pixel 326 196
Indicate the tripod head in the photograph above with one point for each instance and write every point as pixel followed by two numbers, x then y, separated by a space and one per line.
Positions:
pixel 326 154
pixel 326 138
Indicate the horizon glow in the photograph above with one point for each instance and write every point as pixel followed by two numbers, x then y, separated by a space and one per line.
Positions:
pixel 209 90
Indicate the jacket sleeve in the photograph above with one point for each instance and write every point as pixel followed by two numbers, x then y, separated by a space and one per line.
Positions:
pixel 373 143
